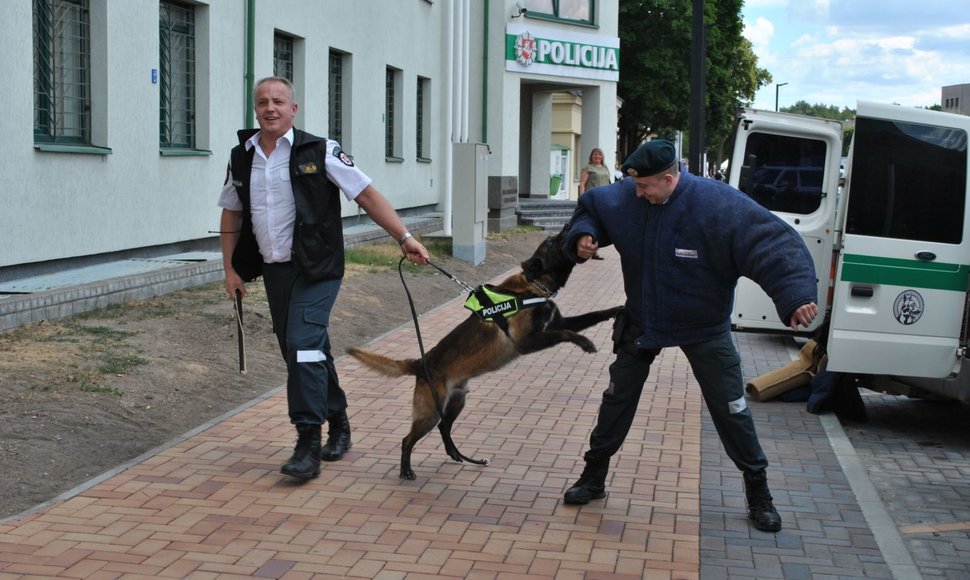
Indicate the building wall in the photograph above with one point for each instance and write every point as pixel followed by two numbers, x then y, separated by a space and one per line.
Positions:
pixel 59 206
pixel 956 99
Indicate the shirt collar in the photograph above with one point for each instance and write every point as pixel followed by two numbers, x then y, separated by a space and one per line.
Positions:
pixel 254 140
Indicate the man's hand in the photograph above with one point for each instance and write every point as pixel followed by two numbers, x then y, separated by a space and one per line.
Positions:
pixel 233 283
pixel 804 315
pixel 586 247
pixel 415 251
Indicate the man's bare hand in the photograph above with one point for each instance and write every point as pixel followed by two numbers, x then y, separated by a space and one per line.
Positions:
pixel 586 247
pixel 804 315
pixel 233 283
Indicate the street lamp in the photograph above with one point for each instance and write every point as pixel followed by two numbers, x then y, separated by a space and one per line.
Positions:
pixel 777 86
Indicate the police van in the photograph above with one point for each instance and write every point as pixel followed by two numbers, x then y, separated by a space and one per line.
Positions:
pixel 890 240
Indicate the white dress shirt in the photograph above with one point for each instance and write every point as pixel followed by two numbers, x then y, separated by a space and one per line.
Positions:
pixel 271 193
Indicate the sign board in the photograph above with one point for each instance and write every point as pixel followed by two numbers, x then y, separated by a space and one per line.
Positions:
pixel 547 51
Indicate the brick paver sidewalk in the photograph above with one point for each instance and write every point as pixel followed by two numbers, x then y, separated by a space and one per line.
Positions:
pixel 215 504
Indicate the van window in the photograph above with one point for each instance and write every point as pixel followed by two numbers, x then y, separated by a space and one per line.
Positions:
pixel 908 181
pixel 784 173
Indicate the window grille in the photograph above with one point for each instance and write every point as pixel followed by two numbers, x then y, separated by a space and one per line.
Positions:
pixel 176 75
pixel 420 118
pixel 62 71
pixel 283 56
pixel 389 118
pixel 336 97
pixel 575 10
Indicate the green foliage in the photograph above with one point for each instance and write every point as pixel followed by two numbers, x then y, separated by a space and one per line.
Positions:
pixel 379 256
pixel 655 41
pixel 845 115
pixel 820 110
pixel 89 388
pixel 114 364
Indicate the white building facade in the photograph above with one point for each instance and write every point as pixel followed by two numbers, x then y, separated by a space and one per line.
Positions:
pixel 121 114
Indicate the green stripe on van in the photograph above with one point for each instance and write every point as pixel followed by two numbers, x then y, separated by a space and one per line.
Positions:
pixel 911 273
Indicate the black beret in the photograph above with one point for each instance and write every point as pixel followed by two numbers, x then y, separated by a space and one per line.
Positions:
pixel 650 158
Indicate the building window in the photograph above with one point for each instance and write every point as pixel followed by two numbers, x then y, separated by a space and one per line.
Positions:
pixel 423 119
pixel 283 56
pixel 62 71
pixel 337 98
pixel 392 110
pixel 573 10
pixel 176 26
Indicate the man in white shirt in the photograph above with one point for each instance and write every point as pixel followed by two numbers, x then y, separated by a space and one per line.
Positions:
pixel 281 219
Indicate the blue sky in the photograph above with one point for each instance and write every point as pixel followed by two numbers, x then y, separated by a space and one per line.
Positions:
pixel 836 52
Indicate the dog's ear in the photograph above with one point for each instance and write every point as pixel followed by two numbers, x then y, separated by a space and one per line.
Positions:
pixel 533 268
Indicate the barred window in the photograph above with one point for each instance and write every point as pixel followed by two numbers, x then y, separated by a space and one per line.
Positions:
pixel 176 27
pixel 392 108
pixel 62 71
pixel 576 10
pixel 423 118
pixel 337 98
pixel 283 56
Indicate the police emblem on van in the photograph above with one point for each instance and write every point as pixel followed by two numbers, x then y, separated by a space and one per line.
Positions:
pixel 908 307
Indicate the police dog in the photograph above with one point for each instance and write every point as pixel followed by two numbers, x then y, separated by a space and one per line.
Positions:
pixel 478 345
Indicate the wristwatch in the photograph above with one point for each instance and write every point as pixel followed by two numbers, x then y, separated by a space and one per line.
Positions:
pixel 404 237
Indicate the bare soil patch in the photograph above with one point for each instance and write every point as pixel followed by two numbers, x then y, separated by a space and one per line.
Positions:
pixel 84 395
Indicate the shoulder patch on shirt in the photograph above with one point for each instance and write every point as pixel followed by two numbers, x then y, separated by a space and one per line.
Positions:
pixel 308 168
pixel 684 253
pixel 343 157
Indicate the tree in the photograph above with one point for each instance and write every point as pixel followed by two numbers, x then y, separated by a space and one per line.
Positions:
pixel 655 46
pixel 846 116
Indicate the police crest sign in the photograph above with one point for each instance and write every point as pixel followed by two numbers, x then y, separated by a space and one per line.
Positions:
pixel 548 51
pixel 525 49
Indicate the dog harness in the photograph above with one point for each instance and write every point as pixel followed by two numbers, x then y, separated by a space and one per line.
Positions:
pixel 493 305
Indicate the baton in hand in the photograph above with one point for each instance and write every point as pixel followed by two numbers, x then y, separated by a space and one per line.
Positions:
pixel 239 332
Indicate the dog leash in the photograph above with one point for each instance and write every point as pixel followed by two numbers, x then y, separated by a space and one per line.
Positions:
pixel 466 287
pixel 424 364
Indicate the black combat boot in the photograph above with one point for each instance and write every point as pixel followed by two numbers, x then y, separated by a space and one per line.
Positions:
pixel 761 511
pixel 338 437
pixel 305 463
pixel 592 483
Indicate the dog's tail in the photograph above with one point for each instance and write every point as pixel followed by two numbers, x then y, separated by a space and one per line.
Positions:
pixel 384 365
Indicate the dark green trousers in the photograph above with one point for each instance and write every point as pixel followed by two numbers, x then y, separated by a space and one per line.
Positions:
pixel 301 320
pixel 717 367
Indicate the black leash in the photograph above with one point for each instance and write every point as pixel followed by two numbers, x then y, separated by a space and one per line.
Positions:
pixel 424 364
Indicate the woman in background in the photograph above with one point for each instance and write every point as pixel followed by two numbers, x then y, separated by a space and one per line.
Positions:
pixel 594 174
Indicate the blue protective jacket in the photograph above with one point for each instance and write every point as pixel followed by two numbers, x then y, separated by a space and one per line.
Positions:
pixel 681 260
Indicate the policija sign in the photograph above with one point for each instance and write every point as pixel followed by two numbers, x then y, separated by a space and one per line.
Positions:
pixel 530 49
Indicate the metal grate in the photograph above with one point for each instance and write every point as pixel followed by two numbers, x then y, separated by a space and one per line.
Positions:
pixel 283 56
pixel 389 113
pixel 62 66
pixel 419 130
pixel 176 25
pixel 336 97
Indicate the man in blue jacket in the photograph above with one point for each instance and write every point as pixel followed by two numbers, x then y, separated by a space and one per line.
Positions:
pixel 683 242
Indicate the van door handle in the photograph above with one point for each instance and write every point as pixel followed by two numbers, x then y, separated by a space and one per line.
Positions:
pixel 863 291
pixel 925 256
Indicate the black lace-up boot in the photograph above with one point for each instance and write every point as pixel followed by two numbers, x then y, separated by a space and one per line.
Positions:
pixel 338 437
pixel 761 511
pixel 305 463
pixel 592 483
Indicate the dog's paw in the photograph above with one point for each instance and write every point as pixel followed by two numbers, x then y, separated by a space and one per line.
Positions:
pixel 407 473
pixel 585 344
